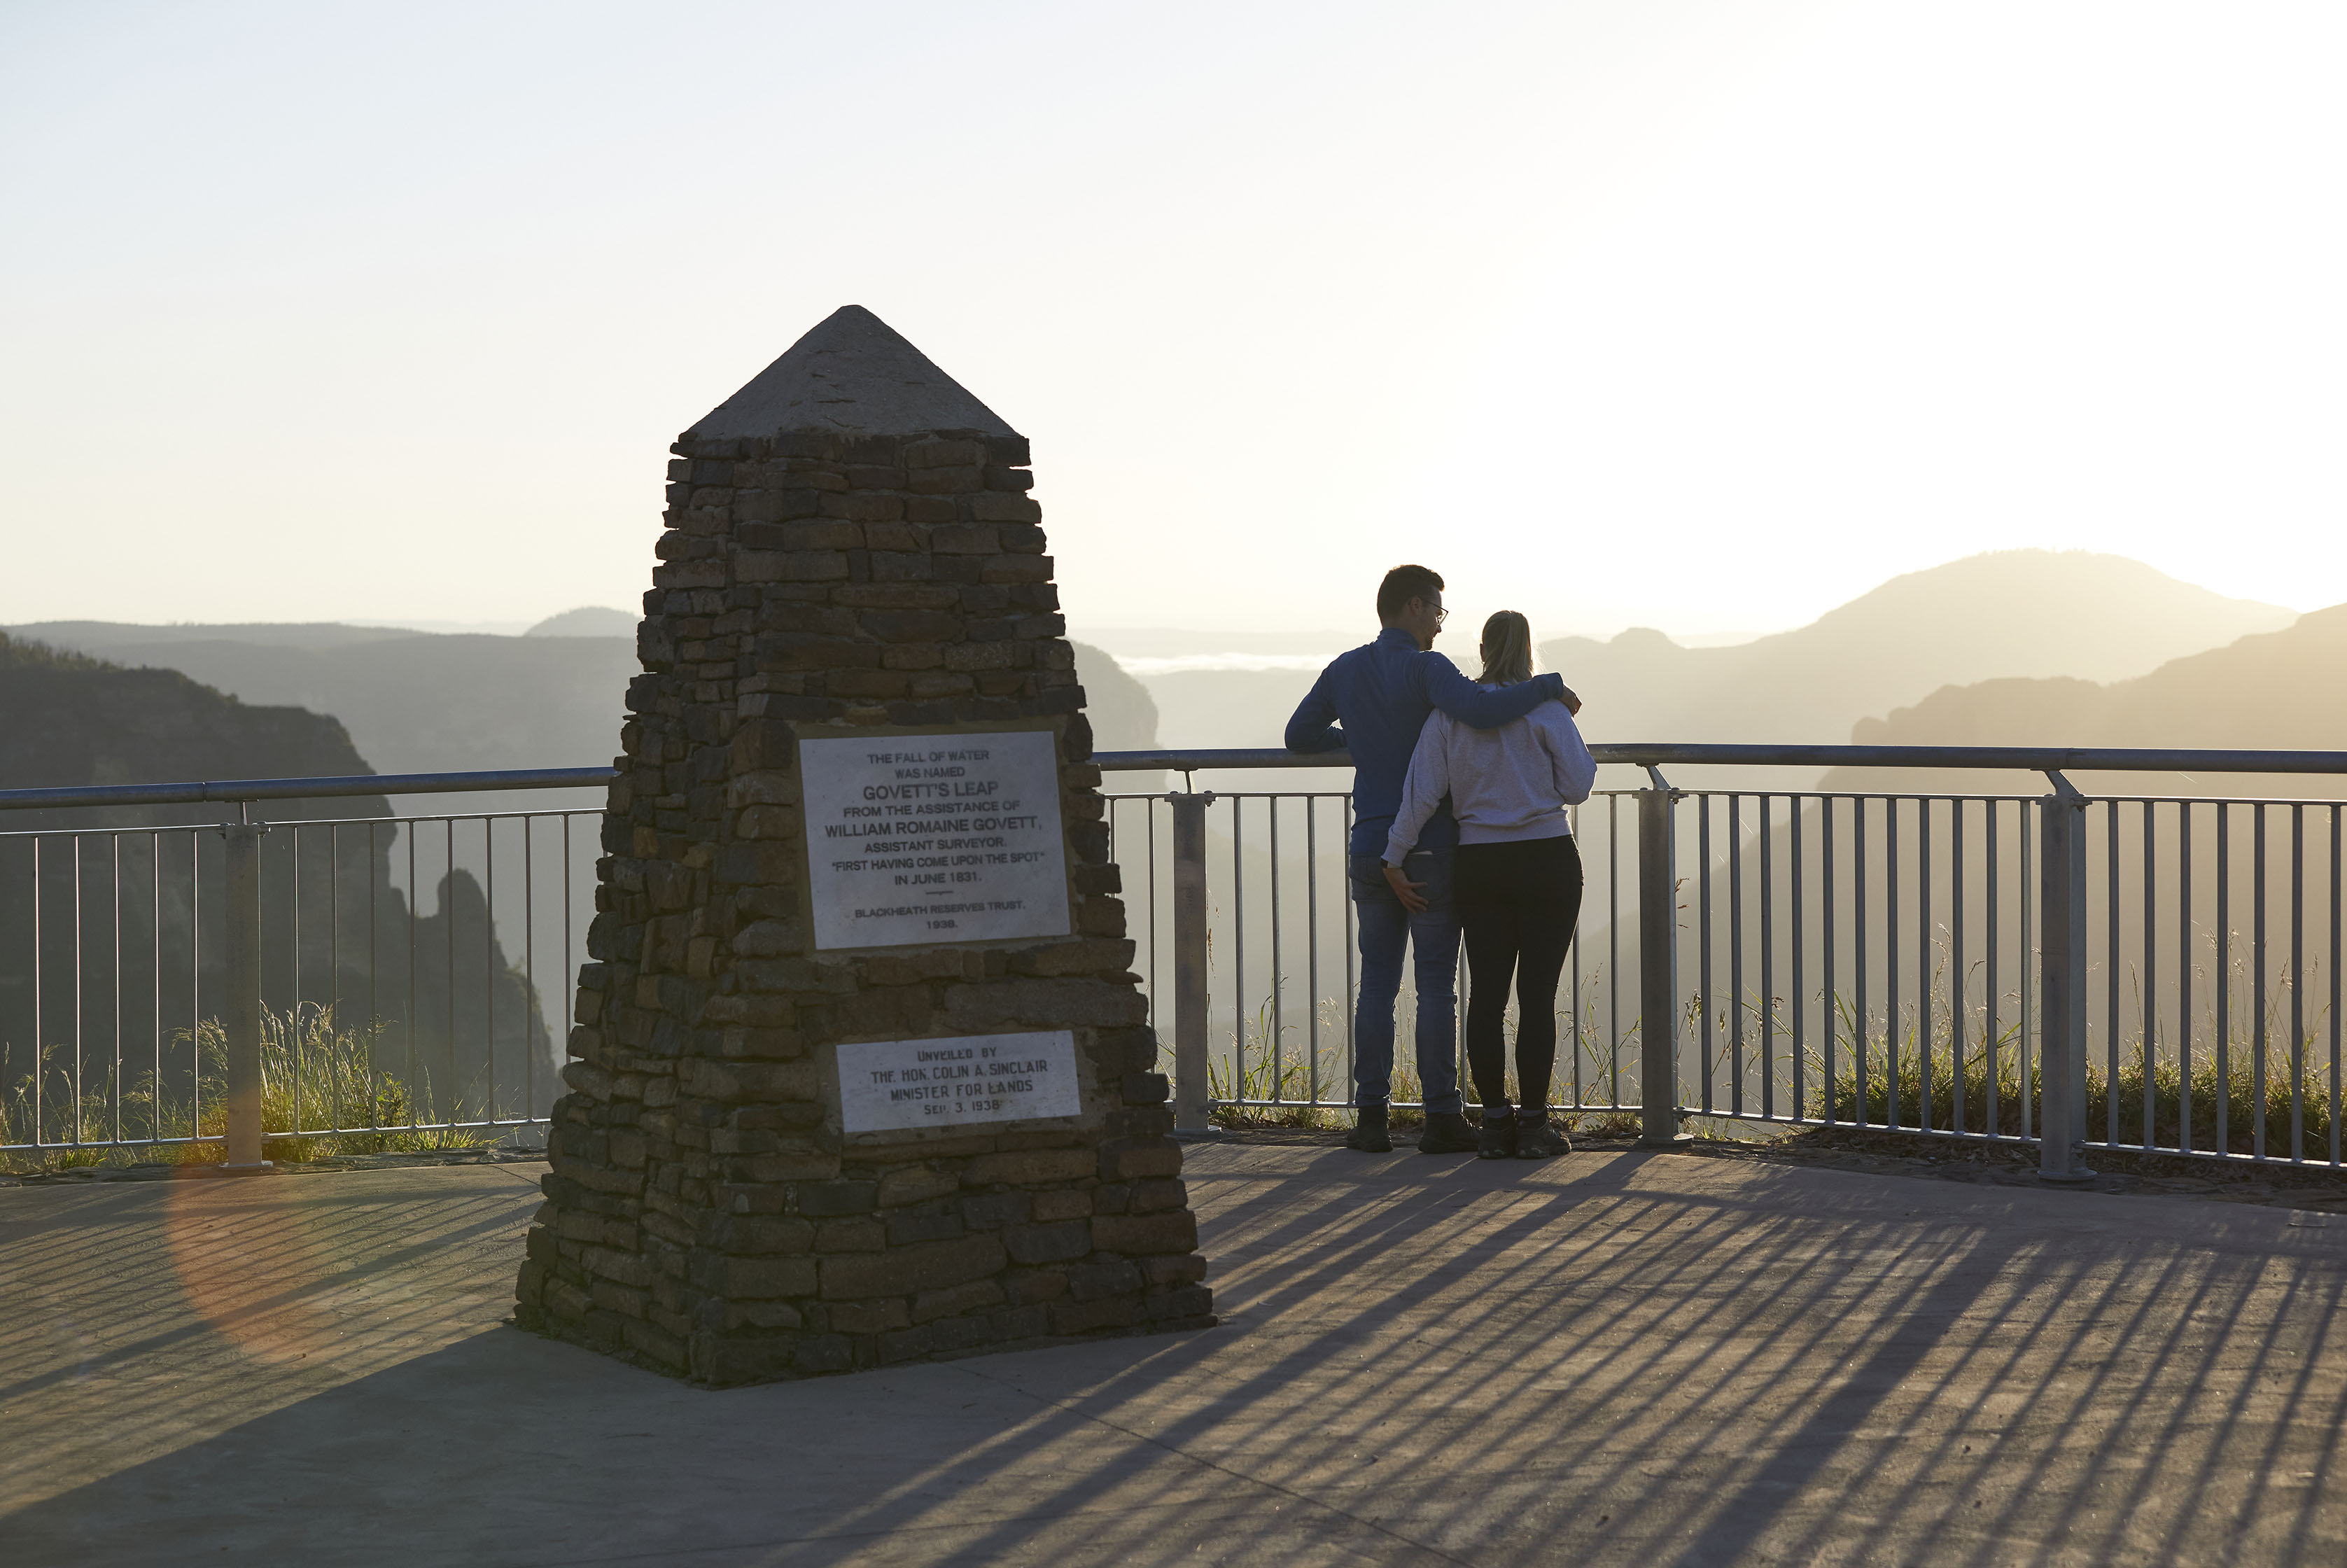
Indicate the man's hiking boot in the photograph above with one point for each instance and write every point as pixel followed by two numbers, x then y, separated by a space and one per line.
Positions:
pixel 1539 1140
pixel 1447 1132
pixel 1498 1139
pixel 1368 1133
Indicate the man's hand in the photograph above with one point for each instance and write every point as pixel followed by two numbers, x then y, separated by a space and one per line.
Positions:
pixel 1572 700
pixel 1406 890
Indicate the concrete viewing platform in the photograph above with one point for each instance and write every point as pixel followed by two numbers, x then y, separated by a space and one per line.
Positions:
pixel 1618 1357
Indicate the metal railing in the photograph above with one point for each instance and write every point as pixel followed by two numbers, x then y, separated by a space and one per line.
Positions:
pixel 173 984
pixel 1970 966
pixel 1975 967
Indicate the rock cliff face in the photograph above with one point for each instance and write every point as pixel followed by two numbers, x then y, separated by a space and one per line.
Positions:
pixel 139 887
pixel 71 720
pixel 851 552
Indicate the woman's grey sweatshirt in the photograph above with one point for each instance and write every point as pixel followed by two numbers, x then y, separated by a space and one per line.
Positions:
pixel 1505 785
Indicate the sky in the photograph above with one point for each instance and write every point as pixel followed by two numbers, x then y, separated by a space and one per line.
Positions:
pixel 1689 313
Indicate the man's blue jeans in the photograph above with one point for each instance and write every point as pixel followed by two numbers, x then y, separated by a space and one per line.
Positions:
pixel 1432 937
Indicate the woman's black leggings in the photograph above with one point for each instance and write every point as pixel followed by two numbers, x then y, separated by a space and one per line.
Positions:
pixel 1517 904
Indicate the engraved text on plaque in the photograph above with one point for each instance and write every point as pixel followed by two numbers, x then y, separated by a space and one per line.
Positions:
pixel 934 838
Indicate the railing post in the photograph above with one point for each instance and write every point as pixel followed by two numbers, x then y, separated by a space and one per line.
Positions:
pixel 2062 984
pixel 1658 967
pixel 1191 1086
pixel 240 1010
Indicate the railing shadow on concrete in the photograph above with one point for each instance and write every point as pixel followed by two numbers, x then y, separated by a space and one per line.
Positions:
pixel 1446 1362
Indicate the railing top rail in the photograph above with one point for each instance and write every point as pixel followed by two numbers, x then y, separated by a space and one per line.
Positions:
pixel 2029 758
pixel 238 791
pixel 1664 754
pixel 1645 754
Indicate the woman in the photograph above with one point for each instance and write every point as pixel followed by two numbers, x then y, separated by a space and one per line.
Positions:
pixel 1517 881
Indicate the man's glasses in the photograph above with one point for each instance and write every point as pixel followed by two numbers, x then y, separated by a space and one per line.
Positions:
pixel 1441 614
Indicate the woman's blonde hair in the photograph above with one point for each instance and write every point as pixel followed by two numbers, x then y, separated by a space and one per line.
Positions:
pixel 1507 649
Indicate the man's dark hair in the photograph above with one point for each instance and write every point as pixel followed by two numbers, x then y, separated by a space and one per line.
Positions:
pixel 1403 584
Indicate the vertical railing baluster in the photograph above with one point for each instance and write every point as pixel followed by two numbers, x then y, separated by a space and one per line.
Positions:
pixel 2224 955
pixel 1703 939
pixel 1890 961
pixel 2258 1106
pixel 1352 934
pixel 444 1104
pixel 2334 1118
pixel 40 1011
pixel 534 1006
pixel 73 1078
pixel 2148 1006
pixel 375 962
pixel 1192 1104
pixel 2184 977
pixel 1829 1004
pixel 1658 992
pixel 1989 1040
pixel 1959 979
pixel 2028 951
pixel 1862 1056
pixel 1768 968
pixel 2062 984
pixel 2111 975
pixel 1798 998
pixel 335 955
pixel 154 1083
pixel 114 1090
pixel 2297 984
pixel 1278 971
pixel 1614 948
pixel 1149 821
pixel 293 949
pixel 489 967
pixel 1924 963
pixel 570 957
pixel 1573 957
pixel 195 985
pixel 414 900
pixel 1238 948
pixel 240 1011
pixel 1736 955
pixel 1312 941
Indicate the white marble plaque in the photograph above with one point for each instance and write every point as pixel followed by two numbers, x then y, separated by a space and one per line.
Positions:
pixel 934 838
pixel 890 1084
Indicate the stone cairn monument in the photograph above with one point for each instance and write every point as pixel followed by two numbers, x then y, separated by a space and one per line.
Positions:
pixel 860 1075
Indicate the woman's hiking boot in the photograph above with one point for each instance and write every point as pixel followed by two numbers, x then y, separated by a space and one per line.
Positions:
pixel 1369 1135
pixel 1447 1132
pixel 1498 1139
pixel 1539 1140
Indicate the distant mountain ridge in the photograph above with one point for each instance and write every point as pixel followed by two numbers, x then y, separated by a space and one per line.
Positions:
pixel 2279 691
pixel 587 620
pixel 2038 614
pixel 417 701
pixel 2010 613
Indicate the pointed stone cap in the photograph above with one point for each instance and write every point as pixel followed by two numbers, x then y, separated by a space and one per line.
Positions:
pixel 851 375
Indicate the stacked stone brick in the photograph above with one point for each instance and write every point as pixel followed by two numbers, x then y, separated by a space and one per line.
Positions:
pixel 704 1214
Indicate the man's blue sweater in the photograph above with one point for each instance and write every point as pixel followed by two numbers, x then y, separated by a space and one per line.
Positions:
pixel 1382 694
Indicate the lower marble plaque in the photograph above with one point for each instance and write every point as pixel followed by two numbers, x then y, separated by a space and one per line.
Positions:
pixel 886 1085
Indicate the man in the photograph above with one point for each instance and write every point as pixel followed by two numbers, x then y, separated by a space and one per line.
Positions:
pixel 1381 695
